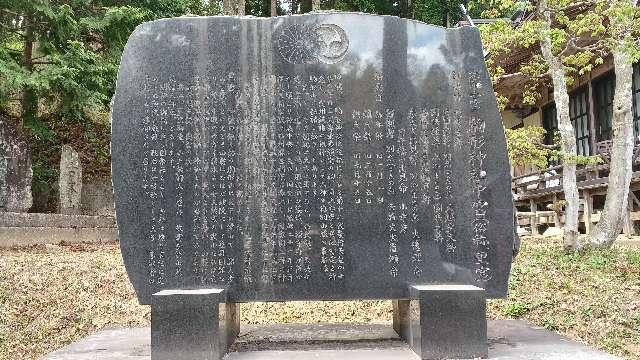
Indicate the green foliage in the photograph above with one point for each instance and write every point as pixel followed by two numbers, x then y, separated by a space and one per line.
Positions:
pixel 444 13
pixel 43 176
pixel 598 260
pixel 516 309
pixel 634 258
pixel 494 8
pixel 438 12
pixel 525 147
pixel 580 40
pixel 381 7
pixel 258 8
pixel 550 324
pixel 75 49
pixel 58 66
pixel 587 311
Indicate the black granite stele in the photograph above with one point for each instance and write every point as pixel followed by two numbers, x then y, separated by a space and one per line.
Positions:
pixel 327 156
pixel 324 156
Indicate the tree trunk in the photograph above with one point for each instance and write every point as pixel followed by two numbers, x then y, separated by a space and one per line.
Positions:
pixel 29 102
pixel 233 7
pixel 567 134
pixel 315 5
pixel 615 206
pixel 274 7
pixel 241 7
pixel 404 8
pixel 228 7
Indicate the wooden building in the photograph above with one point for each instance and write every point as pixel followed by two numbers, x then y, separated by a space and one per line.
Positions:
pixel 538 192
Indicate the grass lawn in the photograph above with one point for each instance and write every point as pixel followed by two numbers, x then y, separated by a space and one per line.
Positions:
pixel 49 298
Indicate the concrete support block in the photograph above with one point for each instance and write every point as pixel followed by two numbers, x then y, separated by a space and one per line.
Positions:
pixel 444 321
pixel 192 324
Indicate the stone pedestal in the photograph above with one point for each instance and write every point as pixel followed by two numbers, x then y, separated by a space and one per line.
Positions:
pixel 15 168
pixel 443 321
pixel 70 182
pixel 192 324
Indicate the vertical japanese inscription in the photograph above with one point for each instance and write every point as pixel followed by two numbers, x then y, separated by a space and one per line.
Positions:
pixel 215 216
pixel 477 180
pixel 197 142
pixel 436 177
pixel 257 195
pixel 309 168
pixel 397 164
pixel 154 127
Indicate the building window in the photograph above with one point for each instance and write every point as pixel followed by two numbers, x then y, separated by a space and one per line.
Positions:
pixel 636 99
pixel 549 123
pixel 579 115
pixel 603 91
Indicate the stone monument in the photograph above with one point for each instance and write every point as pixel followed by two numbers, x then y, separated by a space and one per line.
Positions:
pixel 15 168
pixel 328 156
pixel 70 182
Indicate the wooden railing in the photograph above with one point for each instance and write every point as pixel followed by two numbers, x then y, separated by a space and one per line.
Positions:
pixel 537 185
pixel 549 181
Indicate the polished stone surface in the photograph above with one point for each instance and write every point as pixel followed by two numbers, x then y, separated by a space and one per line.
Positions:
pixel 192 324
pixel 320 156
pixel 508 340
pixel 443 321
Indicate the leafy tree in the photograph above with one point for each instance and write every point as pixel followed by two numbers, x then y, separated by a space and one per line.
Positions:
pixel 58 65
pixel 444 13
pixel 615 22
pixel 573 37
pixel 438 12
pixel 493 9
pixel 551 62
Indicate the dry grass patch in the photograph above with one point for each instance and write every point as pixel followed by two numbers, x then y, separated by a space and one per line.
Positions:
pixel 592 297
pixel 49 298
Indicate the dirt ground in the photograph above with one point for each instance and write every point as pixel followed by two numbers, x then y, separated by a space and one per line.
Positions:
pixel 51 296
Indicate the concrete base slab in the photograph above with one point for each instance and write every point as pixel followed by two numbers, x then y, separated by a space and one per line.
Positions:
pixel 27 229
pixel 508 340
pixel 20 236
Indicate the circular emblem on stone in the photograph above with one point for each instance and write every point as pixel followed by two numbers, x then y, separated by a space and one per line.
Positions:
pixel 297 45
pixel 306 44
pixel 332 43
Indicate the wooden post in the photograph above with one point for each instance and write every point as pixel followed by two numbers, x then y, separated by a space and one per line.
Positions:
pixel 592 118
pixel 534 217
pixel 588 210
pixel 627 227
pixel 556 216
